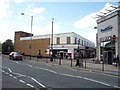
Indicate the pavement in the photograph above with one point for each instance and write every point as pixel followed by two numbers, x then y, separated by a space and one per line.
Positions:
pixel 88 65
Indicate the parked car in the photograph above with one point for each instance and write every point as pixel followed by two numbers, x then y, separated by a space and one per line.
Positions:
pixel 15 56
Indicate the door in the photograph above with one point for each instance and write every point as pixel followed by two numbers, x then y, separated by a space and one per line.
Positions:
pixel 109 57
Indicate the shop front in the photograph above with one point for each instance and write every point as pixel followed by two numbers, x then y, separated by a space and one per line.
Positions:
pixel 107 38
pixel 108 50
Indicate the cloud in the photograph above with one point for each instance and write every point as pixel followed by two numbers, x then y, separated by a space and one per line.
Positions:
pixel 33 10
pixel 47 29
pixel 4 6
pixel 37 10
pixel 5 31
pixel 87 24
pixel 19 1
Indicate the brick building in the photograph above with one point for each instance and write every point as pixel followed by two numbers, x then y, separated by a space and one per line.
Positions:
pixel 67 43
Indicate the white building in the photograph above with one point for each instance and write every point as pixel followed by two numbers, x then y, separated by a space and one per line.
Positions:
pixel 108 34
pixel 68 43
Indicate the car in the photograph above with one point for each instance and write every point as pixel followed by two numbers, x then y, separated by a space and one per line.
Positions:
pixel 15 56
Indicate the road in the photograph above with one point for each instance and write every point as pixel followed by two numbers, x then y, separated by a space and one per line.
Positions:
pixel 26 74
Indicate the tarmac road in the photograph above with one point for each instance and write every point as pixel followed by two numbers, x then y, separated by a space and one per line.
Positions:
pixel 26 74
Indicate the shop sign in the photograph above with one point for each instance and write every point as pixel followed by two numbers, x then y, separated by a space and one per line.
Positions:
pixel 110 27
pixel 106 38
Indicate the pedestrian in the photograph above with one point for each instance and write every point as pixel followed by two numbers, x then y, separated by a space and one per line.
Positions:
pixel 77 59
pixel 39 54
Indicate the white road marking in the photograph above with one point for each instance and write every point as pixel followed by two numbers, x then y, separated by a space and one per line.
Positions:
pixel 67 75
pixel 30 85
pixel 116 86
pixel 16 62
pixel 22 81
pixel 10 70
pixel 96 81
pixel 29 65
pixel 10 75
pixel 47 70
pixel 20 75
pixel 3 71
pixel 15 77
pixel 86 79
pixel 6 73
pixel 38 82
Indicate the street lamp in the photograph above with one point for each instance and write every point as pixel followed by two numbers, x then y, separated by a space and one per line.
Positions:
pixel 30 46
pixel 52 41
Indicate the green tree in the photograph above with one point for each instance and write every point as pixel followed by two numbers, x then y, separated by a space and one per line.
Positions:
pixel 7 46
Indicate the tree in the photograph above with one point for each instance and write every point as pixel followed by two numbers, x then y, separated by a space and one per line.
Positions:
pixel 7 46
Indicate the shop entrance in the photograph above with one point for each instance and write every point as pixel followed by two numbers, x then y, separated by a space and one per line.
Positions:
pixel 108 51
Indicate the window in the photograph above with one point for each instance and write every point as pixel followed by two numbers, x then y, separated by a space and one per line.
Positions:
pixel 58 40
pixel 85 43
pixel 68 40
pixel 79 41
pixel 82 42
pixel 75 40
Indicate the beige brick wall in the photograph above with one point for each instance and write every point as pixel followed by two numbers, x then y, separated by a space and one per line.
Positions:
pixel 23 45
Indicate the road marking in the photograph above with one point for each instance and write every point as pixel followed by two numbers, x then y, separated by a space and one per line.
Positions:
pixel 15 77
pixel 22 81
pixel 20 75
pixel 96 81
pixel 78 77
pixel 10 75
pixel 30 85
pixel 67 75
pixel 6 73
pixel 47 70
pixel 116 86
pixel 38 82
pixel 16 62
pixel 3 71
pixel 86 79
pixel 30 65
pixel 10 70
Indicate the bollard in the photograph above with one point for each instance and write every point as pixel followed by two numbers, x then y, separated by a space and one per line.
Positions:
pixel 60 61
pixel 71 62
pixel 46 61
pixel 85 63
pixel 102 65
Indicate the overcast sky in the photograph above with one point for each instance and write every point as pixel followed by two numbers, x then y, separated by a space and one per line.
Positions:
pixel 68 17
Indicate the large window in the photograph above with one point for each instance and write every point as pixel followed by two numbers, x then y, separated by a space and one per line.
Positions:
pixel 79 41
pixel 75 40
pixel 68 40
pixel 58 40
pixel 82 42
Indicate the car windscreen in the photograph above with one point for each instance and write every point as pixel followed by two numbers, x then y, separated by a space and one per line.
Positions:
pixel 16 53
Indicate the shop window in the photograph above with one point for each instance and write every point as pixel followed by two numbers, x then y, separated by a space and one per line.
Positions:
pixel 68 40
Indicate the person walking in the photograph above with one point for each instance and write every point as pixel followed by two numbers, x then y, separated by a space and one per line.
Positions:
pixel 39 55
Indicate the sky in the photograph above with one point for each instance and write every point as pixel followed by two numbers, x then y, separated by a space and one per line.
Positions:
pixel 68 17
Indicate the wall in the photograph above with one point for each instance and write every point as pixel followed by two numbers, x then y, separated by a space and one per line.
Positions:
pixel 23 45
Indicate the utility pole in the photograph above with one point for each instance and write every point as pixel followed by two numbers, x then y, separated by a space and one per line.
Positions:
pixel 52 41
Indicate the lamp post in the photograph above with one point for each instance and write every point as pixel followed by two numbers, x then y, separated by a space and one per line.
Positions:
pixel 30 46
pixel 52 41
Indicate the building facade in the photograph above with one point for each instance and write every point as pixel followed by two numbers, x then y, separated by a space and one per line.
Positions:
pixel 108 34
pixel 65 43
